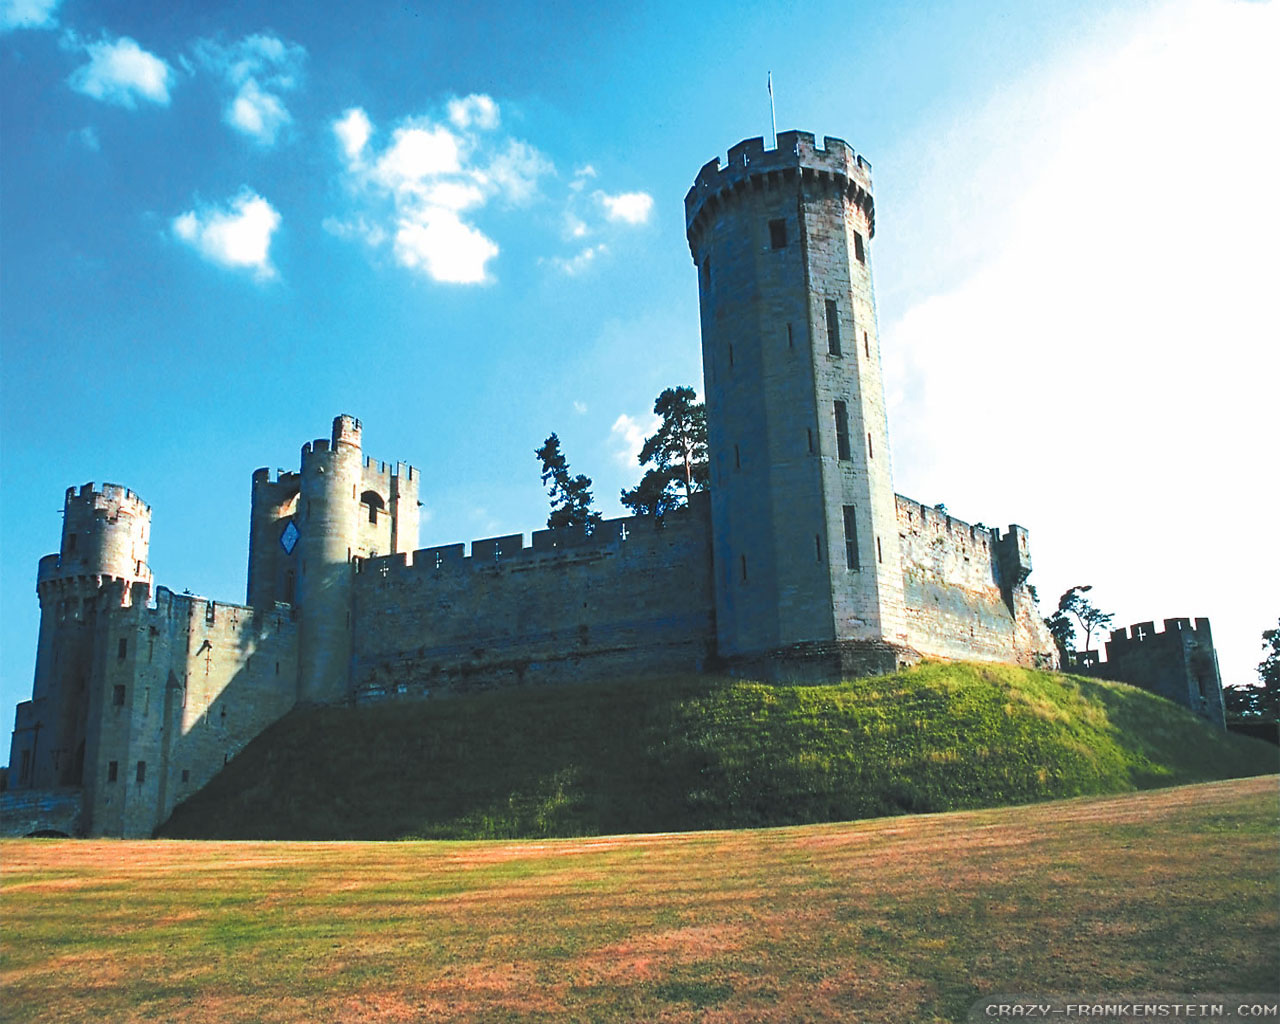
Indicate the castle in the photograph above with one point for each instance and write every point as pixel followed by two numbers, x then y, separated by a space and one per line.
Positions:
pixel 800 563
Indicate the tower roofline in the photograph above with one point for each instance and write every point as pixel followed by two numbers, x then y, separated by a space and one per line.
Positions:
pixel 796 152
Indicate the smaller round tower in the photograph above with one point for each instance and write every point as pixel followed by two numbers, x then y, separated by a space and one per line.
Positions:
pixel 328 524
pixel 105 538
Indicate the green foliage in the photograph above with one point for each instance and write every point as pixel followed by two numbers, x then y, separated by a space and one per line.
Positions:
pixel 1269 667
pixel 570 495
pixel 705 752
pixel 677 453
pixel 1091 619
pixel 1063 632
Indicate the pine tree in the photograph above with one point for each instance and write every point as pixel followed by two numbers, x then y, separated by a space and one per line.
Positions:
pixel 570 495
pixel 677 454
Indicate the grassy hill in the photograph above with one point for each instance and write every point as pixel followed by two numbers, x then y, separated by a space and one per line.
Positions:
pixel 704 752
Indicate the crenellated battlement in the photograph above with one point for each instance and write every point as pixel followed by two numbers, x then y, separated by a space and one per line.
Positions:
pixel 1146 633
pixel 375 468
pixel 112 499
pixel 510 550
pixel 797 154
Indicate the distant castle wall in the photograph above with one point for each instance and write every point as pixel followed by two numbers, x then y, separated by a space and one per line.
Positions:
pixel 632 598
pixel 1179 664
pixel 965 590
pixel 176 690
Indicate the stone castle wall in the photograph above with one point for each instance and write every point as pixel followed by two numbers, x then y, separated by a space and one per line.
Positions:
pixel 177 689
pixel 965 591
pixel 631 599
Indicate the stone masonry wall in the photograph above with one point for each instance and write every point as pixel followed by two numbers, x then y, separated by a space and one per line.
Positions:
pixel 632 599
pixel 177 690
pixel 958 602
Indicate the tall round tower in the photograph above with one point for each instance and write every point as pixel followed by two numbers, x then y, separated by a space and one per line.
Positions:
pixel 105 537
pixel 804 518
pixel 328 524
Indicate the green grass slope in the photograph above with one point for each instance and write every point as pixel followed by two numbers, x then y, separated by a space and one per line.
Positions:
pixel 705 752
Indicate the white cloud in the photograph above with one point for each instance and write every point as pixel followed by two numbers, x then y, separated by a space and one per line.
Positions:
pixel 15 14
pixel 237 235
pixel 515 171
pixel 580 176
pixel 580 407
pixel 353 130
pixel 1107 347
pixel 628 434
pixel 474 111
pixel 423 189
pixel 417 153
pixel 259 69
pixel 438 242
pixel 88 137
pixel 629 207
pixel 574 227
pixel 119 72
pixel 581 261
pixel 256 113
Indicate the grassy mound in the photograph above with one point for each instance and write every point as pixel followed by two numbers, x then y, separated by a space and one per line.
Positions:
pixel 704 752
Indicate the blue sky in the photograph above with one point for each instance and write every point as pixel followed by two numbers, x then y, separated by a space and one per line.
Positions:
pixel 221 225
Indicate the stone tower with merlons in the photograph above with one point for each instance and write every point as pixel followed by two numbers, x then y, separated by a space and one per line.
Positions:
pixel 807 563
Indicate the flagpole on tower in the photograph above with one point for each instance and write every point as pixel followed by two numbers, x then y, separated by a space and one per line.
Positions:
pixel 773 117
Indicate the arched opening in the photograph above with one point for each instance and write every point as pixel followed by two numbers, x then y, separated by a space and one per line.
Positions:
pixel 374 500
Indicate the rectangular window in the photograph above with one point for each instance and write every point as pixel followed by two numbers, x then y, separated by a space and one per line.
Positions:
pixel 866 345
pixel 809 431
pixel 737 458
pixel 858 249
pixel 850 538
pixel 706 274
pixel 871 452
pixel 880 553
pixel 142 771
pixel 842 431
pixel 71 542
pixel 731 357
pixel 817 547
pixel 791 342
pixel 186 774
pixel 117 697
pixel 113 771
pixel 122 648
pixel 744 568
pixel 778 234
pixel 833 328
pixel 24 773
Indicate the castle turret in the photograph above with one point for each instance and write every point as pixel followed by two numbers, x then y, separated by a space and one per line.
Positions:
pixel 328 527
pixel 105 538
pixel 806 549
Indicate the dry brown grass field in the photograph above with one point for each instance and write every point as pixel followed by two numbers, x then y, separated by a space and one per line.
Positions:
pixel 896 919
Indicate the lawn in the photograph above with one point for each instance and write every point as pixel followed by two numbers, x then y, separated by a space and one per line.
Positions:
pixel 897 919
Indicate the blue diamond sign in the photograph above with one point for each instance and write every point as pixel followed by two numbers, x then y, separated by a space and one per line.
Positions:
pixel 289 538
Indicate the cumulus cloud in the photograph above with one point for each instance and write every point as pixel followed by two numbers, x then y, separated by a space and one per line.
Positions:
pixel 628 207
pixel 257 70
pixel 474 111
pixel 422 188
pixel 580 261
pixel 121 72
pixel 15 14
pixel 628 434
pixel 353 130
pixel 237 235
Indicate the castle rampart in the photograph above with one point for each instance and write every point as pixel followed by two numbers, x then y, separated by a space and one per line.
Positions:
pixel 632 598
pixel 1178 663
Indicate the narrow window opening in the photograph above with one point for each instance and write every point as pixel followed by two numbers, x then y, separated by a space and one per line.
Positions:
pixel 151 650
pixel 186 774
pixel 850 538
pixel 791 341
pixel 731 357
pixel 277 668
pixel 833 327
pixel 142 771
pixel 879 552
pixel 871 452
pixel 71 542
pixel 706 274
pixel 778 234
pixel 24 774
pixel 858 249
pixel 866 345
pixel 809 431
pixel 744 568
pixel 123 648
pixel 113 771
pixel 117 696
pixel 842 431
pixel 817 547
pixel 737 458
